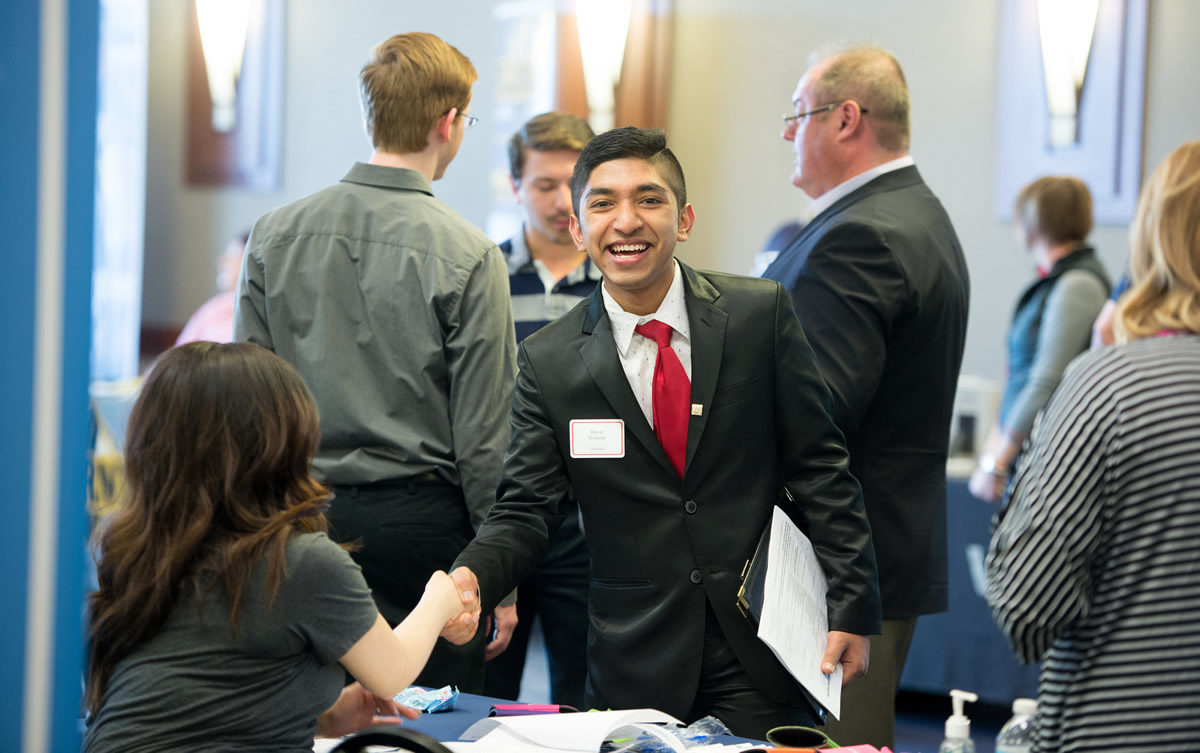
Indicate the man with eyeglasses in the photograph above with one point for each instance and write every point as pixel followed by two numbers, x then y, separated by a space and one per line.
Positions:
pixel 396 312
pixel 880 284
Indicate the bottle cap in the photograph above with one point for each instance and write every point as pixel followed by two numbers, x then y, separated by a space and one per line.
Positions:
pixel 1025 706
pixel 958 726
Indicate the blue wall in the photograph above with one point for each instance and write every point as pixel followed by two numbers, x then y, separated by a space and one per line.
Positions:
pixel 21 136
pixel 19 51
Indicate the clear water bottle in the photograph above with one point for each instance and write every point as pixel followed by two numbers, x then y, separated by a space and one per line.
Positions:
pixel 1016 736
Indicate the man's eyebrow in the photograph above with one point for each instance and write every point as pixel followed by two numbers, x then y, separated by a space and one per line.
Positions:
pixel 654 187
pixel 643 188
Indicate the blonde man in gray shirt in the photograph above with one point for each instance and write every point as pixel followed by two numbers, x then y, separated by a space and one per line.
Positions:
pixel 396 312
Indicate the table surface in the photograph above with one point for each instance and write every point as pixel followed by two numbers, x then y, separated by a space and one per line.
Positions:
pixel 450 725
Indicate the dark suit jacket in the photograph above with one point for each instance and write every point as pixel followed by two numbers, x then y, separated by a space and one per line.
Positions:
pixel 662 546
pixel 880 284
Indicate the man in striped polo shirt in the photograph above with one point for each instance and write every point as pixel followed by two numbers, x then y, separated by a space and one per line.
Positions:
pixel 548 275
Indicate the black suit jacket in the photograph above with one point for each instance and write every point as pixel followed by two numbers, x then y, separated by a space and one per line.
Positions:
pixel 662 546
pixel 880 285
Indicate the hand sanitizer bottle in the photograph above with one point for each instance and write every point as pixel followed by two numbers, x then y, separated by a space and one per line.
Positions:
pixel 1016 736
pixel 958 726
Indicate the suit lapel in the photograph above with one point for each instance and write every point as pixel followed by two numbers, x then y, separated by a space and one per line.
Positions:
pixel 599 353
pixel 708 324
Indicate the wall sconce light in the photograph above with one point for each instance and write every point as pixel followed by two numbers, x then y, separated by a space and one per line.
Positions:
pixel 1067 28
pixel 235 57
pixel 603 28
pixel 223 26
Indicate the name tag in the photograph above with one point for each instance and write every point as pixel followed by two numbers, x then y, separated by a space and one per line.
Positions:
pixel 597 438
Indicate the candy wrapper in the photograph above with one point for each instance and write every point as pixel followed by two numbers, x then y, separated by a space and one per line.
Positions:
pixel 429 701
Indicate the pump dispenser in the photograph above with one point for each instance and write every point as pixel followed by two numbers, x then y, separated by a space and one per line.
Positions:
pixel 958 726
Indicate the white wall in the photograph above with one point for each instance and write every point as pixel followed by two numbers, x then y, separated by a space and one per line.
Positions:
pixel 327 44
pixel 735 67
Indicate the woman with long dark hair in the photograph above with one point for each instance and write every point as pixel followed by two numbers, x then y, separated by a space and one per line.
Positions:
pixel 224 618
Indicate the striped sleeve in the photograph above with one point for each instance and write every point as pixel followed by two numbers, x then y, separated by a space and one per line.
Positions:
pixel 1039 559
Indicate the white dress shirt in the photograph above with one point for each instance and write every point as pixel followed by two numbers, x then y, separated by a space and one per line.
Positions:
pixel 638 354
pixel 827 199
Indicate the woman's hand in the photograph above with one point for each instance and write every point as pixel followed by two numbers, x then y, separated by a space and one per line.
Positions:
pixel 358 707
pixel 987 485
pixel 447 597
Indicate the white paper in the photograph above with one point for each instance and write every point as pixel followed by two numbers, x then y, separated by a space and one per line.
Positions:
pixel 795 622
pixel 583 731
pixel 326 744
pixel 504 740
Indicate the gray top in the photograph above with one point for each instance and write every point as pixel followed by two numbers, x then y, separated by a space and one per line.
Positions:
pixel 1066 330
pixel 395 310
pixel 199 686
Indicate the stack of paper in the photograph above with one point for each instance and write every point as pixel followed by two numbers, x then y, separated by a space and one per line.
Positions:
pixel 794 621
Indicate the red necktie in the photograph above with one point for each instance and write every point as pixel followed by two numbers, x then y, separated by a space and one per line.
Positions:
pixel 672 394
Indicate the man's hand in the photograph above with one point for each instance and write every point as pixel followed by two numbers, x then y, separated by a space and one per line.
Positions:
pixel 461 629
pixel 357 707
pixel 505 620
pixel 851 650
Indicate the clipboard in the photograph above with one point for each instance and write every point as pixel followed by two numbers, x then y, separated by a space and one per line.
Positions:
pixel 754 579
pixel 754 573
pixel 752 593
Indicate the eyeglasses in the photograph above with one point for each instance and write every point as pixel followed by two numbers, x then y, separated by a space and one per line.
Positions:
pixel 793 121
pixel 471 119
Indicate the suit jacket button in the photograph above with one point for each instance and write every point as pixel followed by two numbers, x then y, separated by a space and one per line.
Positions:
pixel 690 506
pixel 695 576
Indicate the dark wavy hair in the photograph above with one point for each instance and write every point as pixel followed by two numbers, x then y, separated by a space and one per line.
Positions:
pixel 217 460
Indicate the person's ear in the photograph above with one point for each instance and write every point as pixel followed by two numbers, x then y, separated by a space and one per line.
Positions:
pixel 577 233
pixel 687 219
pixel 851 114
pixel 445 124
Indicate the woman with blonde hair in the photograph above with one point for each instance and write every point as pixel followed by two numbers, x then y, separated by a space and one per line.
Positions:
pixel 1093 566
pixel 224 618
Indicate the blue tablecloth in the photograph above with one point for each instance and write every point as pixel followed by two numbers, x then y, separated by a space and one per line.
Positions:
pixel 963 648
pixel 450 725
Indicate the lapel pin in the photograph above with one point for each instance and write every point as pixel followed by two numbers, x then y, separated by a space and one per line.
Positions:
pixel 697 409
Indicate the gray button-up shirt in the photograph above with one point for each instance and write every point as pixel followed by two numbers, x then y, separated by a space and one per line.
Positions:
pixel 396 312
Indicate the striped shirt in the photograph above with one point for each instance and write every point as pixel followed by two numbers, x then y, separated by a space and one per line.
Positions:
pixel 537 298
pixel 1094 567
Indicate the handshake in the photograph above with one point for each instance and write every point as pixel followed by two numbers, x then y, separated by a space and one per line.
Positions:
pixel 458 595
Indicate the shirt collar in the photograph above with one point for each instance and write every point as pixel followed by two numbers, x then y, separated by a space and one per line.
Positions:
pixel 672 311
pixel 381 176
pixel 520 260
pixel 827 199
pixel 518 257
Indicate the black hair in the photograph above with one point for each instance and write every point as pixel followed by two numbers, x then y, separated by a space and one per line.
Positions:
pixel 649 144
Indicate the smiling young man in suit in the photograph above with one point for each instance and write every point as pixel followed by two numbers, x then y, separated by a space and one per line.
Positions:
pixel 880 284
pixel 677 458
